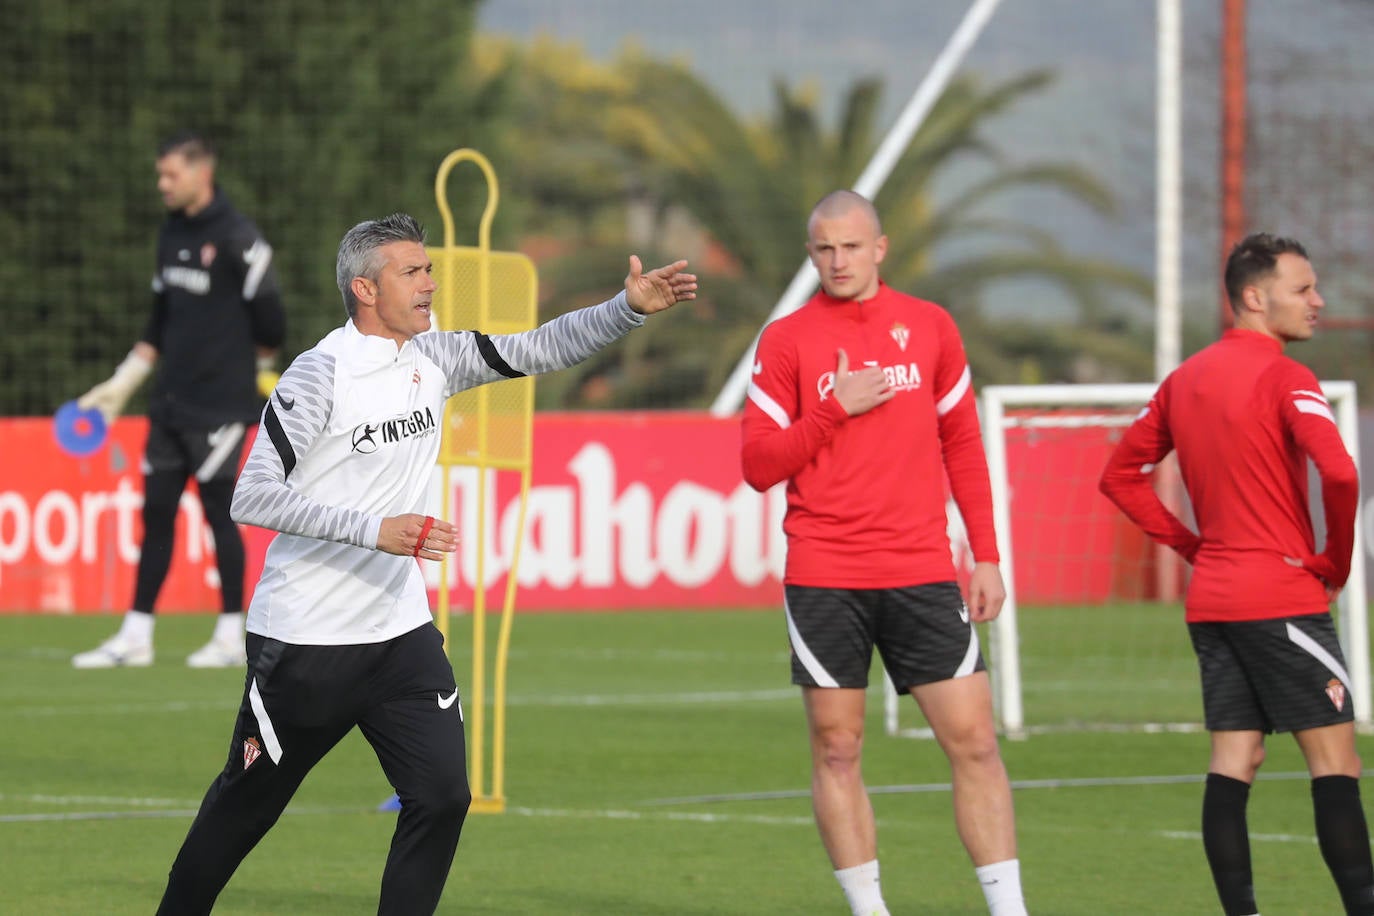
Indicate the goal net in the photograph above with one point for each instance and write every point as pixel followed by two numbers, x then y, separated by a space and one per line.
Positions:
pixel 1092 635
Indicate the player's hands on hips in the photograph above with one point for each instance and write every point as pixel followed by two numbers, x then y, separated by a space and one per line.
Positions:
pixel 861 391
pixel 985 592
pixel 420 536
pixel 658 289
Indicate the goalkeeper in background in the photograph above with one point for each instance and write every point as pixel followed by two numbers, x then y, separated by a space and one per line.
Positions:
pixel 1244 419
pixel 216 323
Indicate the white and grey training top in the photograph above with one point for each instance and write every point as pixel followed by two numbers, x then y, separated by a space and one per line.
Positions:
pixel 351 436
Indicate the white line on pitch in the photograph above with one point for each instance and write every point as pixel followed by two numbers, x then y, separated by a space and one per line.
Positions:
pixel 99 800
pixel 652 699
pixel 119 709
pixel 43 817
pixel 590 814
pixel 1019 784
pixel 627 815
pixel 231 702
pixel 1258 837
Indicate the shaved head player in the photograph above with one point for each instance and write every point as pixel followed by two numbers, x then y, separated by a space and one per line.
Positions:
pixel 862 402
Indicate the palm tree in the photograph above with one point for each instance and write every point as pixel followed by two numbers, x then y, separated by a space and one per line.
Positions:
pixel 748 187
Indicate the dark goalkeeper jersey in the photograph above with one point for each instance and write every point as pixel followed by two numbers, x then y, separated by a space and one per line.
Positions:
pixel 866 494
pixel 1244 419
pixel 215 300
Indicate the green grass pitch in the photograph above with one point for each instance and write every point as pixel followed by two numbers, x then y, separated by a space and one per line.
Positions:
pixel 657 764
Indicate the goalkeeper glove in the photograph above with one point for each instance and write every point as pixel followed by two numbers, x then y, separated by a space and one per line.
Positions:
pixel 268 376
pixel 110 396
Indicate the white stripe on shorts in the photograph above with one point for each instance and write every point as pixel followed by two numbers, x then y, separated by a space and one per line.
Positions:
pixel 224 440
pixel 971 656
pixel 1314 649
pixel 809 662
pixel 269 733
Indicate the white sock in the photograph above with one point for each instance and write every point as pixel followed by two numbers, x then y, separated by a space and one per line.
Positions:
pixel 229 627
pixel 137 627
pixel 1001 883
pixel 861 888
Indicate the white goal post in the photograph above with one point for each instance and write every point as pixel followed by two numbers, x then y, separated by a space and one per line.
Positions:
pixel 1005 408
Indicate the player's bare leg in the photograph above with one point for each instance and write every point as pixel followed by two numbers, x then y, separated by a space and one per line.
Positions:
pixel 1237 754
pixel 1330 750
pixel 844 815
pixel 959 711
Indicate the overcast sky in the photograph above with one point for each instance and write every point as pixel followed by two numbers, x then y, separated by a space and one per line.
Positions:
pixel 1305 56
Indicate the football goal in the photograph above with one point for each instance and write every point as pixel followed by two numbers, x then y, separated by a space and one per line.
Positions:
pixel 1092 635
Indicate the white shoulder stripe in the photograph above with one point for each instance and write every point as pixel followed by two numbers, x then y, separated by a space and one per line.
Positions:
pixel 769 406
pixel 1321 410
pixel 956 394
pixel 1304 393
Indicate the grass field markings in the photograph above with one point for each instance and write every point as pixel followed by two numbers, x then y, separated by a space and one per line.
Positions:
pixel 695 817
pixel 47 817
pixel 1258 837
pixel 230 701
pixel 518 811
pixel 44 817
pixel 43 799
pixel 1102 686
pixel 691 698
pixel 227 702
pixel 1116 728
pixel 657 655
pixel 1081 782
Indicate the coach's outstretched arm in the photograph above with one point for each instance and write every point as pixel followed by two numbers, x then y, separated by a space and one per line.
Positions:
pixel 471 358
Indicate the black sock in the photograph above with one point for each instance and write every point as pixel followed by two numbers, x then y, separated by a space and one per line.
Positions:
pixel 1226 838
pixel 1344 839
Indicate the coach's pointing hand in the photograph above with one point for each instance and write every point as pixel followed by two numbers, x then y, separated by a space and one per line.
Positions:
pixel 659 289
pixel 861 391
pixel 420 536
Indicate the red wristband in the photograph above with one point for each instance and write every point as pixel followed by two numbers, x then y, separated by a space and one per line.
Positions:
pixel 424 533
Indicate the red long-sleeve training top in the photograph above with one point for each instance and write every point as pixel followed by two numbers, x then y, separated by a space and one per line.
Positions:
pixel 1243 418
pixel 866 494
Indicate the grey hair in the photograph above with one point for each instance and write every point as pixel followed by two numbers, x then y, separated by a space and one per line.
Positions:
pixel 358 251
pixel 840 203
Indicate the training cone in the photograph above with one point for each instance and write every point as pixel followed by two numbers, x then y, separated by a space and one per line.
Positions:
pixel 78 432
pixel 391 804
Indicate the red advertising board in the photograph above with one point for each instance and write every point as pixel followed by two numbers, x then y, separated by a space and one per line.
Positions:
pixel 626 510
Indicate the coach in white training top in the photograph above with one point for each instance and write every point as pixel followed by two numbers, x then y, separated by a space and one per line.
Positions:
pixel 339 628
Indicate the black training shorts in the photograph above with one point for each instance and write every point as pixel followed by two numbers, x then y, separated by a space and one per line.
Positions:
pixel 205 454
pixel 922 632
pixel 1280 675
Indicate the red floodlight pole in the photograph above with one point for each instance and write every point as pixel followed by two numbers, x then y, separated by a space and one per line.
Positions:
pixel 1233 124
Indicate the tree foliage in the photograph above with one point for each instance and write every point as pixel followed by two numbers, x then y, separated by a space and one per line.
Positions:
pixel 681 156
pixel 325 113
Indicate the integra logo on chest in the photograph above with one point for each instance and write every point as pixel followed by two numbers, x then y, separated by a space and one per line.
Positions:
pixel 415 423
pixel 367 437
pixel 901 377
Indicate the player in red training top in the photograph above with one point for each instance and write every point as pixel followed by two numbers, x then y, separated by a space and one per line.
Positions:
pixel 1244 419
pixel 862 401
